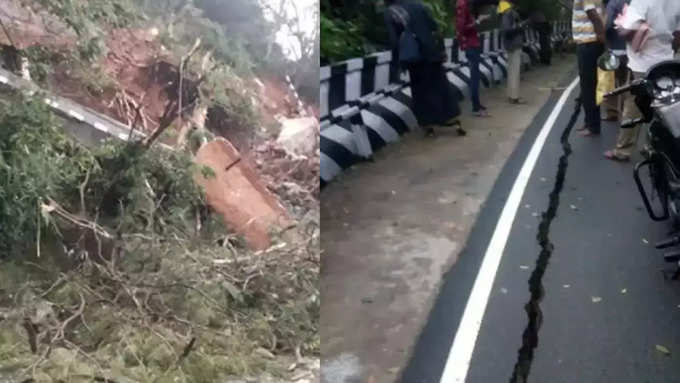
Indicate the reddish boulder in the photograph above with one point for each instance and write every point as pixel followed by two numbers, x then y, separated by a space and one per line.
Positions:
pixel 237 194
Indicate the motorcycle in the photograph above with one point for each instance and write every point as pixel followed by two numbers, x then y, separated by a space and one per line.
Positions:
pixel 657 96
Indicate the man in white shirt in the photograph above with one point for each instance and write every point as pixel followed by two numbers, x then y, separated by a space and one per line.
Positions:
pixel 662 17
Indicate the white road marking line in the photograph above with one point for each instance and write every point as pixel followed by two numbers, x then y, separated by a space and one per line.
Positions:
pixel 458 361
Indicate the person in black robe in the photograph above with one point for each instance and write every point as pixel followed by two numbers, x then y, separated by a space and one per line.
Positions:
pixel 434 100
pixel 541 24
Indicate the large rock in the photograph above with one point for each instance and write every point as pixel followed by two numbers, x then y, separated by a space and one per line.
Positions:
pixel 237 194
pixel 299 135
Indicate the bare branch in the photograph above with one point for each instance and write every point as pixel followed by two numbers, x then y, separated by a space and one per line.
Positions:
pixel 9 37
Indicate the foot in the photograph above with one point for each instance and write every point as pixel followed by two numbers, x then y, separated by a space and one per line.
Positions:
pixel 481 113
pixel 588 133
pixel 429 132
pixel 581 128
pixel 612 155
pixel 461 132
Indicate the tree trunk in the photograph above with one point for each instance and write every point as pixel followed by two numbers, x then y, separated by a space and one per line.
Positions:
pixel 197 121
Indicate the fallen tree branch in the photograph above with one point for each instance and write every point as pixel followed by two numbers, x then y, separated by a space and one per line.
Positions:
pixel 187 350
pixel 54 207
pixel 32 334
pixel 82 192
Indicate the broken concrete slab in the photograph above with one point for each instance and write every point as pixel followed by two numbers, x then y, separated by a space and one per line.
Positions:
pixel 238 195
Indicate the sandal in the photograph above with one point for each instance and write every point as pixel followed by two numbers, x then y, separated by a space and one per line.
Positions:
pixel 458 125
pixel 611 155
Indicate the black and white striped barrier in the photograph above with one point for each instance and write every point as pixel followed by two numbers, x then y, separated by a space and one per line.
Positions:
pixel 365 103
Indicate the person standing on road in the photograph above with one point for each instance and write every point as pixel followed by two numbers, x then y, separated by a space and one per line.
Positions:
pixel 434 102
pixel 513 39
pixel 588 30
pixel 468 37
pixel 617 46
pixel 542 26
pixel 661 18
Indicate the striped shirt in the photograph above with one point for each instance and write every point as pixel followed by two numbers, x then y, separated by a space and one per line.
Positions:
pixel 581 26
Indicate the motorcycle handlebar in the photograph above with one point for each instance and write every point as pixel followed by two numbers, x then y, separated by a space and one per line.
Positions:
pixel 632 123
pixel 626 88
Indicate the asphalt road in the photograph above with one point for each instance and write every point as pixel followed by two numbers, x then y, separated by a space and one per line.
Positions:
pixel 605 304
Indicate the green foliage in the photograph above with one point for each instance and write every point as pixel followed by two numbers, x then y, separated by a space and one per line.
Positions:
pixel 444 15
pixel 340 39
pixel 224 89
pixel 353 28
pixel 89 20
pixel 129 188
pixel 190 23
pixel 223 61
pixel 36 162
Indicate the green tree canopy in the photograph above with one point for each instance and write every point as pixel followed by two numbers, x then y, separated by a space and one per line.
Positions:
pixel 353 28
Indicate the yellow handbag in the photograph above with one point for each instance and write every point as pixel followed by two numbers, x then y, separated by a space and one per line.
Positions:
pixel 606 82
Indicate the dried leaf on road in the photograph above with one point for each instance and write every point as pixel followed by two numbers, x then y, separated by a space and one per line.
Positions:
pixel 624 291
pixel 566 286
pixel 573 207
pixel 524 267
pixel 645 241
pixel 596 299
pixel 662 349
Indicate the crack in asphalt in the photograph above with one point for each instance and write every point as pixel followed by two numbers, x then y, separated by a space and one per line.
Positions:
pixel 525 354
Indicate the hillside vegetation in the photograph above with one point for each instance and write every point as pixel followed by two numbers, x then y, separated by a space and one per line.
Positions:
pixel 113 267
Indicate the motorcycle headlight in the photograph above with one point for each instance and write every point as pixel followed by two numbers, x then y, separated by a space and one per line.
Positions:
pixel 665 83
